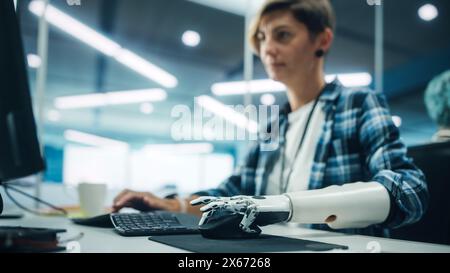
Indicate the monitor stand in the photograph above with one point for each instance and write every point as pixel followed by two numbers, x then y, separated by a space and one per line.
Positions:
pixel 7 216
pixel 1 201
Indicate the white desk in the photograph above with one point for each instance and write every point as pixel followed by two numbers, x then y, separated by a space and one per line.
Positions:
pixel 107 241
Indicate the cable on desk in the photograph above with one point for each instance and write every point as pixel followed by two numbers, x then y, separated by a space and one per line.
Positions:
pixel 9 187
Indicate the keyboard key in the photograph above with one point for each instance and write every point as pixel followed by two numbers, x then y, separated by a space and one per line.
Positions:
pixel 151 223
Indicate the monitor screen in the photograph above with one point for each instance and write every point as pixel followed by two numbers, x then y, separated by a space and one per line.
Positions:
pixel 19 149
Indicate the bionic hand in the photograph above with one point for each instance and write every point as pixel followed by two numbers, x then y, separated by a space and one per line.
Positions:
pixel 256 210
pixel 354 205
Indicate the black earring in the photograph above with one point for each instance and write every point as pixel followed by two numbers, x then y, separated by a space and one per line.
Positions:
pixel 320 53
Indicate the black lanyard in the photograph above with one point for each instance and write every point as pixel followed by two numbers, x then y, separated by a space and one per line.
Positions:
pixel 284 186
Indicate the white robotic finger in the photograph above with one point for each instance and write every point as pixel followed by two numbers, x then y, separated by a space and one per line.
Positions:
pixel 249 218
pixel 203 200
pixel 238 197
pixel 213 205
pixel 205 216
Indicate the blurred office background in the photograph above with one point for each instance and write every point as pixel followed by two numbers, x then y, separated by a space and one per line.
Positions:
pixel 198 43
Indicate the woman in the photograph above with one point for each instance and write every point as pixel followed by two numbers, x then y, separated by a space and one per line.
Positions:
pixel 340 164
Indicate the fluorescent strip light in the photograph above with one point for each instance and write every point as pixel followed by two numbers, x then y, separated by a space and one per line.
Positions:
pixel 191 148
pixel 75 28
pixel 238 7
pixel 227 113
pixel 103 44
pixel 93 140
pixel 145 68
pixel 267 85
pixel 241 87
pixel 110 98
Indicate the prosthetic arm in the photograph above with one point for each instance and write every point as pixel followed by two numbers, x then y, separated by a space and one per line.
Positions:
pixel 355 205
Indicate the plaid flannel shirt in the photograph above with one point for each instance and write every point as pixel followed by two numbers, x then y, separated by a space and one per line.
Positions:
pixel 359 143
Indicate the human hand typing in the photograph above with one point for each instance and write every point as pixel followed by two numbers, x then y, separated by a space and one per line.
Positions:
pixel 143 201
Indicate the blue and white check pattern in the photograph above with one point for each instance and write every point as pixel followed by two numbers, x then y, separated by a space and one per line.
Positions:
pixel 359 143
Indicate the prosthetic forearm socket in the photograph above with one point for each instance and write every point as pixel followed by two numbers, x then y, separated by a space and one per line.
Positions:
pixel 355 205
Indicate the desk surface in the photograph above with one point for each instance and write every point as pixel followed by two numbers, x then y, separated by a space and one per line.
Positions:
pixel 100 240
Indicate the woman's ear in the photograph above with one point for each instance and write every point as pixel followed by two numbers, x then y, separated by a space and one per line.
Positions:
pixel 325 40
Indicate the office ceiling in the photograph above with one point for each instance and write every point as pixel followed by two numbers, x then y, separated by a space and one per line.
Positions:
pixel 153 29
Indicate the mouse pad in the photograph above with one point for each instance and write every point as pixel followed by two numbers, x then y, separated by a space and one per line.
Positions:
pixel 264 243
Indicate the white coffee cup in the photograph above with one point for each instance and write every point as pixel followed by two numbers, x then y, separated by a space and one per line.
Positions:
pixel 92 198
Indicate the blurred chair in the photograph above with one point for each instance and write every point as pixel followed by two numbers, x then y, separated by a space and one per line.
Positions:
pixel 434 160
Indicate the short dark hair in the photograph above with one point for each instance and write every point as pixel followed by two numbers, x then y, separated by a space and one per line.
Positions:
pixel 317 15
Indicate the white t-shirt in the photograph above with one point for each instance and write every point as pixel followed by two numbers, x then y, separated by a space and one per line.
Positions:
pixel 299 179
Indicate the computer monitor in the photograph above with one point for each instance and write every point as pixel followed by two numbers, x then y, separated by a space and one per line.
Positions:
pixel 20 153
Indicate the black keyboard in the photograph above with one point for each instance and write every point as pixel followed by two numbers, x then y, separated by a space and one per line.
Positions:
pixel 149 223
